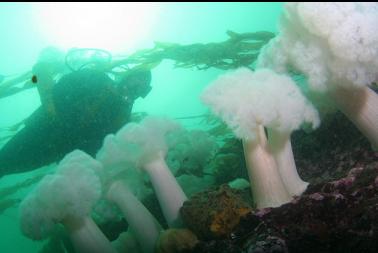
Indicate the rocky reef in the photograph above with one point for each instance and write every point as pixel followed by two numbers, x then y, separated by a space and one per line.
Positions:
pixel 337 216
pixel 337 213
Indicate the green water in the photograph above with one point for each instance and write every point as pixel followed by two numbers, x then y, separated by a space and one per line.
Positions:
pixel 175 90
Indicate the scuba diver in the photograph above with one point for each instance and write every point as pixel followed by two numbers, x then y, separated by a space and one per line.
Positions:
pixel 76 113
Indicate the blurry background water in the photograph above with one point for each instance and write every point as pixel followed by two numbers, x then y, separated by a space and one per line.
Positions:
pixel 121 28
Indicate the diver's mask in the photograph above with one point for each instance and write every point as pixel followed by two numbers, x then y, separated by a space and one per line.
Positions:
pixel 136 84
